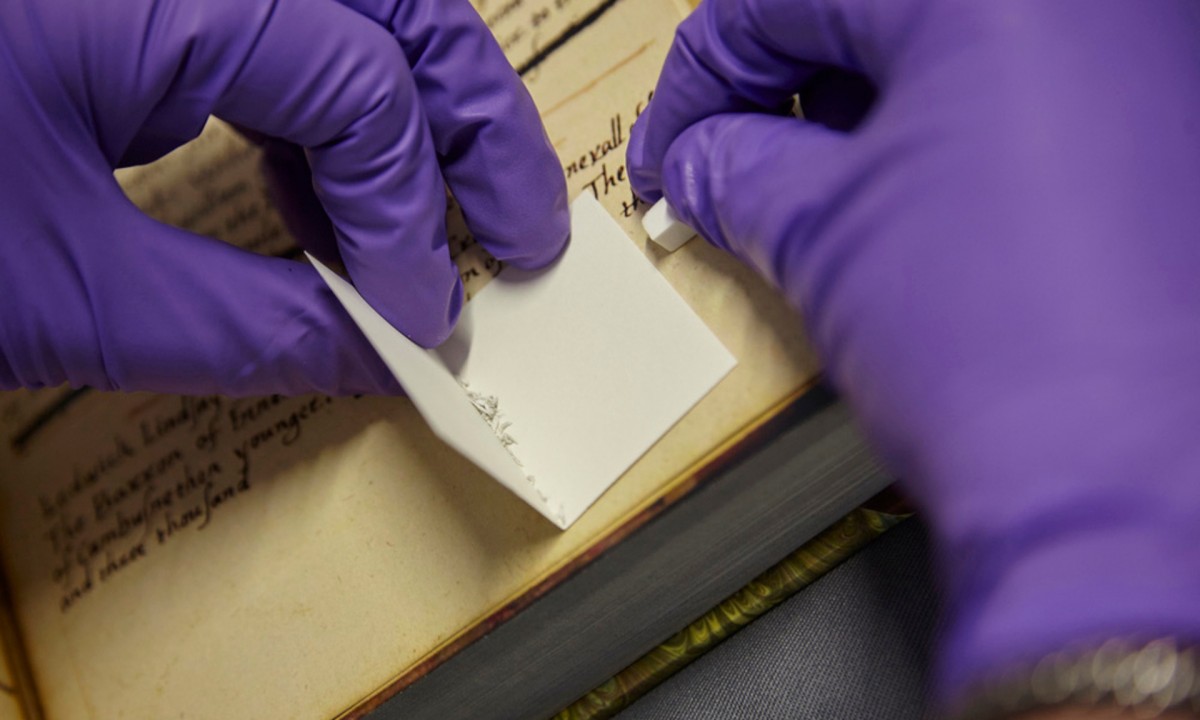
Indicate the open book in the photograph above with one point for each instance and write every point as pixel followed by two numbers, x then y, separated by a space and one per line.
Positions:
pixel 206 557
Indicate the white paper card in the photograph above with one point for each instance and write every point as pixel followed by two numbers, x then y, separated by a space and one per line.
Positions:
pixel 588 362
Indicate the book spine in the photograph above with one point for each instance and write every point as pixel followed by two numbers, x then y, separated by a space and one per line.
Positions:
pixel 798 570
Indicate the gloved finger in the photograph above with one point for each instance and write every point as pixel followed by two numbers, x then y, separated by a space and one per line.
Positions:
pixel 739 56
pixel 723 176
pixel 489 138
pixel 323 76
pixel 146 306
pixel 290 187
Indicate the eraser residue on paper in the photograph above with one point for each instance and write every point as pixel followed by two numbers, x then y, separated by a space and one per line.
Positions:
pixel 488 407
pixel 666 230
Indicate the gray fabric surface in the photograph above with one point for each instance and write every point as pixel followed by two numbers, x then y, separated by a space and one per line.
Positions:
pixel 855 644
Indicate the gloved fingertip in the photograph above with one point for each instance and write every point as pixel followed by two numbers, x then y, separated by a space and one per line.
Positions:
pixel 529 231
pixel 684 177
pixel 644 178
pixel 534 255
pixel 421 298
pixel 433 326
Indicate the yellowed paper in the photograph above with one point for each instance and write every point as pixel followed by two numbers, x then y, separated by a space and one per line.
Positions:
pixel 10 704
pixel 213 558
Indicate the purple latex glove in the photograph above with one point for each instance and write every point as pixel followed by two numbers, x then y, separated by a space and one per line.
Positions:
pixel 393 99
pixel 1000 267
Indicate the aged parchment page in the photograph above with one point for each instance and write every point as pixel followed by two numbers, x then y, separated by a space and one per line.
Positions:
pixel 10 704
pixel 287 557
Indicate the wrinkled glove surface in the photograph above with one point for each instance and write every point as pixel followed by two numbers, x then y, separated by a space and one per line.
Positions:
pixel 1000 267
pixel 392 99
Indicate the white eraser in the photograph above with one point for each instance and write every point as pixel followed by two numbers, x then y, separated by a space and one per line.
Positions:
pixel 664 228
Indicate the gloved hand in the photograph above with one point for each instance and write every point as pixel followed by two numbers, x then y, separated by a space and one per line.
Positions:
pixel 392 98
pixel 1000 267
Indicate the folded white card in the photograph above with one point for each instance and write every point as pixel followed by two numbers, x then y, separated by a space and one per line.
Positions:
pixel 555 381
